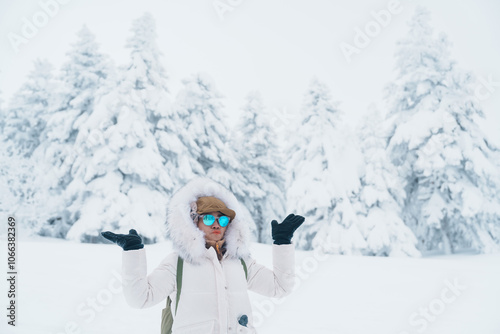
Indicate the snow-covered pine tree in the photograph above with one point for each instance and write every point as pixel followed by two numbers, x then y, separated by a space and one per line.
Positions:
pixel 24 124
pixel 207 137
pixel 28 110
pixel 172 136
pixel 119 180
pixel 179 163
pixel 263 165
pixel 324 177
pixel 3 114
pixel 381 195
pixel 5 196
pixel 451 184
pixel 82 76
pixel 199 107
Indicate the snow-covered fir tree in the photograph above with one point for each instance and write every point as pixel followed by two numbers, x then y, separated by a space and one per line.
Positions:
pixel 451 182
pixel 25 121
pixel 199 105
pixel 172 136
pixel 119 180
pixel 381 195
pixel 28 110
pixel 263 165
pixel 3 113
pixel 82 76
pixel 179 163
pixel 324 177
pixel 5 195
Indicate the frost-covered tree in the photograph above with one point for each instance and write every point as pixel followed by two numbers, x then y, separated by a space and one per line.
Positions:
pixel 24 124
pixel 119 180
pixel 171 136
pixel 381 196
pixel 200 108
pixel 145 73
pixel 451 182
pixel 173 140
pixel 82 76
pixel 16 184
pixel 262 165
pixel 6 198
pixel 29 108
pixel 3 113
pixel 324 177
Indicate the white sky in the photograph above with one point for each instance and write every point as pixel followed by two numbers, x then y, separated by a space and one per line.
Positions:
pixel 269 45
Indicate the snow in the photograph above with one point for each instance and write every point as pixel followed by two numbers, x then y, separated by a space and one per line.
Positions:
pixel 106 139
pixel 109 153
pixel 449 171
pixel 69 287
pixel 262 172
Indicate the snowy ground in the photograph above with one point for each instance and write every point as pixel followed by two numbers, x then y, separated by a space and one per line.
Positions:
pixel 66 287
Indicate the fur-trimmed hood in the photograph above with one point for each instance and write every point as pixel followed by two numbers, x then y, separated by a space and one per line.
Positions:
pixel 188 240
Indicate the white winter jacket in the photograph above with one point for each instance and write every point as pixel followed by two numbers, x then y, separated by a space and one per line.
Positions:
pixel 214 293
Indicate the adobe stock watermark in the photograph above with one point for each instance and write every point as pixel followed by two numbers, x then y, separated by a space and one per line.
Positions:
pixel 363 37
pixel 92 305
pixel 222 7
pixel 485 88
pixel 265 308
pixel 427 314
pixel 30 26
pixel 280 119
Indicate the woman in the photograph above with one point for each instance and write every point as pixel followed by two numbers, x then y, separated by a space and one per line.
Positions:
pixel 208 234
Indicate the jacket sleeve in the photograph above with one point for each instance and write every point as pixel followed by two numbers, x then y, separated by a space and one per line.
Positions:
pixel 278 282
pixel 143 291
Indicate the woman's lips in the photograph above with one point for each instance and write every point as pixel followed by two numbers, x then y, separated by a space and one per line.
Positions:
pixel 216 232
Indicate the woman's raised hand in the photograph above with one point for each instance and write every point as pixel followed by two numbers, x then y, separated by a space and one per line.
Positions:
pixel 283 233
pixel 128 242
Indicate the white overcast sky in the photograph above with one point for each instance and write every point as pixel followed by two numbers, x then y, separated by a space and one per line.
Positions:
pixel 270 45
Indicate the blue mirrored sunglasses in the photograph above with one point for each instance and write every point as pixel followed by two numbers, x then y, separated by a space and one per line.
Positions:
pixel 210 219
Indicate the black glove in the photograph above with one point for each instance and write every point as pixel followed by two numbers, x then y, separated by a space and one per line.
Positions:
pixel 283 233
pixel 129 241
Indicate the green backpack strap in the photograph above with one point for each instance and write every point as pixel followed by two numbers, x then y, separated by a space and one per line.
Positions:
pixel 244 268
pixel 180 265
pixel 167 319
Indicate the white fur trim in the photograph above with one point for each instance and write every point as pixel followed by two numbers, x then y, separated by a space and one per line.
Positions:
pixel 188 240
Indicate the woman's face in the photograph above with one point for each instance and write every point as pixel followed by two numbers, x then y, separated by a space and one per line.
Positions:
pixel 214 232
